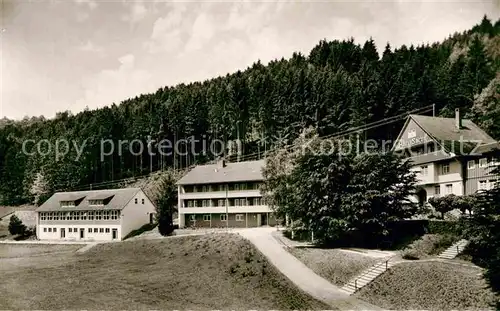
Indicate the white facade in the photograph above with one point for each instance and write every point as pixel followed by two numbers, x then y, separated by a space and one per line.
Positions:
pixel 80 232
pixel 440 179
pixel 113 223
pixel 138 212
pixel 437 179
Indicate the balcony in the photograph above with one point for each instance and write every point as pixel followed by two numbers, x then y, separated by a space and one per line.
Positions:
pixel 220 194
pixel 222 209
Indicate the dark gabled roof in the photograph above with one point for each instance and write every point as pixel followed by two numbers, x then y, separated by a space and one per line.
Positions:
pixel 444 129
pixel 232 172
pixel 487 148
pixel 120 198
pixel 99 196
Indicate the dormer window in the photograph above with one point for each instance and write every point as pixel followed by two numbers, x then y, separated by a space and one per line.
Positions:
pixel 96 202
pixel 67 203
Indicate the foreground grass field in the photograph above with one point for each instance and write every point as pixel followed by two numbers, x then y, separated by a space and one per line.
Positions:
pixel 30 250
pixel 198 273
pixel 334 265
pixel 429 286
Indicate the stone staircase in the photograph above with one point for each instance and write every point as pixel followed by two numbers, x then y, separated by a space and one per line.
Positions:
pixel 454 250
pixel 367 276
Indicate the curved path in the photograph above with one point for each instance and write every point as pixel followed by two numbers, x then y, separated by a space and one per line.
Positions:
pixel 303 277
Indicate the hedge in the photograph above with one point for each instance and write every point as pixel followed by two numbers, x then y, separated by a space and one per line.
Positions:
pixel 444 227
pixel 401 233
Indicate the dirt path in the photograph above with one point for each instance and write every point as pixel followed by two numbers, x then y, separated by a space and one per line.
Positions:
pixel 303 277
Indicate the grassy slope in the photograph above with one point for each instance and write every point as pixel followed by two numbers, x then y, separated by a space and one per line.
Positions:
pixel 334 265
pixel 430 245
pixel 429 286
pixel 205 272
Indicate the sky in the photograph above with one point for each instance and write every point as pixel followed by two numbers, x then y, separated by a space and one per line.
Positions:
pixel 72 54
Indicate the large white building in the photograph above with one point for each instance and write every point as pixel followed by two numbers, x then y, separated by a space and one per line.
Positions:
pixel 223 194
pixel 98 215
pixel 449 155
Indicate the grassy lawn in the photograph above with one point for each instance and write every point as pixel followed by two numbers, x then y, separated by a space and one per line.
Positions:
pixel 27 250
pixel 429 286
pixel 4 231
pixel 199 273
pixel 334 265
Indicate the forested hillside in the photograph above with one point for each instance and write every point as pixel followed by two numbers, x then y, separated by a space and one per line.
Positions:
pixel 337 86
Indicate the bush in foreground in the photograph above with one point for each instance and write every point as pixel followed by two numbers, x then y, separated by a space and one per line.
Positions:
pixel 483 232
pixel 16 226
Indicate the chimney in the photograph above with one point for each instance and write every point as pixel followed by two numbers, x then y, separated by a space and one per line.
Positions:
pixel 458 119
pixel 221 163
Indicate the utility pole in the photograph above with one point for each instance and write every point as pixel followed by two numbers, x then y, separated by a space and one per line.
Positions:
pixel 238 136
pixel 150 145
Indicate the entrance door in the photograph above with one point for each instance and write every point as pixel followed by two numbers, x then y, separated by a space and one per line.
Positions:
pixel 259 220
pixel 115 234
pixel 82 233
pixel 422 196
pixel 263 221
pixel 63 233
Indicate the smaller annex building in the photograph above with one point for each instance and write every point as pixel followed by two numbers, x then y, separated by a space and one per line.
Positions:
pixel 100 215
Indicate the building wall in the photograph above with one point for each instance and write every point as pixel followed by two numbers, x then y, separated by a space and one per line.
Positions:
pixel 75 236
pixel 183 210
pixel 478 173
pixel 249 220
pixel 135 215
pixel 428 178
pixel 454 175
pixel 132 216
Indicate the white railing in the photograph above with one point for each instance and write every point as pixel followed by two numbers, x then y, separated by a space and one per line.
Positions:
pixel 222 209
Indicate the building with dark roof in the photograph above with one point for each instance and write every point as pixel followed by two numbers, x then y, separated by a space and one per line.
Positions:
pixel 223 195
pixel 450 155
pixel 93 215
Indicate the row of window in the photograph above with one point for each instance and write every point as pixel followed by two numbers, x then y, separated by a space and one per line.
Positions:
pixel 81 215
pixel 222 202
pixel 448 189
pixel 75 230
pixel 472 164
pixel 482 185
pixel 444 169
pixel 137 200
pixel 223 217
pixel 67 203
pixel 483 163
pixel 96 202
pixel 222 187
pixel 487 184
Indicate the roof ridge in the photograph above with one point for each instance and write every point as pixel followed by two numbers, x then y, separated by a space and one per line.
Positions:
pixel 431 117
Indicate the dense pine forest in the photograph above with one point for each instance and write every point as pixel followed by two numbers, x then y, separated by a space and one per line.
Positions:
pixel 338 86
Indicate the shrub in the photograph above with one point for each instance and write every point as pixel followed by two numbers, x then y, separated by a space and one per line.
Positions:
pixel 444 204
pixel 16 226
pixel 444 227
pixel 410 255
